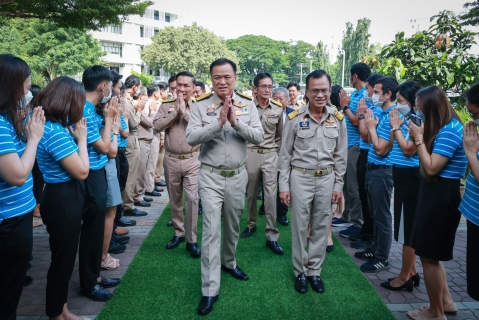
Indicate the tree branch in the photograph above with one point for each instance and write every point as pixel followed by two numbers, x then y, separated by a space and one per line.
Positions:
pixel 2 2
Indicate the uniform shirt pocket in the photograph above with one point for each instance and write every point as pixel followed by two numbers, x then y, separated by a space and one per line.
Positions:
pixel 304 139
pixel 330 138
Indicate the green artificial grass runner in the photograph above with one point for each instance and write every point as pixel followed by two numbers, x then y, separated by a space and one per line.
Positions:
pixel 166 284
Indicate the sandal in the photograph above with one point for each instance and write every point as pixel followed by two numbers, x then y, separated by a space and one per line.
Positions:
pixel 37 222
pixel 450 310
pixel 417 315
pixel 111 263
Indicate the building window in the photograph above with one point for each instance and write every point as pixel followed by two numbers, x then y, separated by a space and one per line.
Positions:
pixel 167 17
pixel 156 31
pixel 115 67
pixel 156 15
pixel 116 29
pixel 142 32
pixel 104 29
pixel 111 47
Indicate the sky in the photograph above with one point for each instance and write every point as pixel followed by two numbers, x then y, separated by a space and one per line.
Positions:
pixel 312 21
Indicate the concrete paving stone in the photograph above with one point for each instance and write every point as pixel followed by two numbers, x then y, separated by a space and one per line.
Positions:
pixel 399 307
pixel 471 305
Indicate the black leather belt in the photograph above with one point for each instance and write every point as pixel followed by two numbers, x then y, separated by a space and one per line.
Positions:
pixel 372 166
pixel 122 148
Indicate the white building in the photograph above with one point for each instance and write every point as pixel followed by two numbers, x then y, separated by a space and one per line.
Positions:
pixel 123 43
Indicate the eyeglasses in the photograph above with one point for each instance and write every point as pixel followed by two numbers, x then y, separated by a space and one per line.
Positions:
pixel 473 115
pixel 264 87
pixel 315 92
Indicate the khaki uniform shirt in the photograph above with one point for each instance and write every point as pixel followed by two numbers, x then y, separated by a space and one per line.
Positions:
pixel 271 120
pixel 134 119
pixel 168 119
pixel 295 106
pixel 310 144
pixel 145 130
pixel 223 148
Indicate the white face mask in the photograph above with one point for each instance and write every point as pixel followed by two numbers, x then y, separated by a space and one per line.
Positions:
pixel 376 102
pixel 366 96
pixel 27 98
pixel 106 99
pixel 404 109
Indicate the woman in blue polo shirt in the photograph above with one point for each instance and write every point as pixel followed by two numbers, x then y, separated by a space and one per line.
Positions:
pixel 470 202
pixel 16 194
pixel 443 163
pixel 64 165
pixel 407 178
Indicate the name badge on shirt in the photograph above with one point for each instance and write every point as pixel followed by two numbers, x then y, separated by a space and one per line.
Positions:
pixel 171 109
pixel 272 116
pixel 304 125
pixel 242 112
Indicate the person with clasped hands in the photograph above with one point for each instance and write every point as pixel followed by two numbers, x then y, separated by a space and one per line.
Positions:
pixel 443 163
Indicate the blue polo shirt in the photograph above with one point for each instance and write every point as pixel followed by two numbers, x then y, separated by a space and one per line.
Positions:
pixel 122 142
pixel 384 132
pixel 93 123
pixel 470 202
pixel 14 201
pixel 398 158
pixel 448 142
pixel 353 132
pixel 377 113
pixel 57 143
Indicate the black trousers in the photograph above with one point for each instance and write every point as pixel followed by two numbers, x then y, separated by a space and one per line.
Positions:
pixel 62 205
pixel 122 169
pixel 367 229
pixel 93 228
pixel 16 241
pixel 472 260
pixel 38 182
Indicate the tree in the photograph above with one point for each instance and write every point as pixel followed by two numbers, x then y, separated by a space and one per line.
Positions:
pixel 191 48
pixel 84 14
pixel 322 58
pixel 471 17
pixel 50 50
pixel 146 80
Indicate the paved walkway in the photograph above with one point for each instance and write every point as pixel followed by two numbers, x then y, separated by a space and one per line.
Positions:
pixel 32 303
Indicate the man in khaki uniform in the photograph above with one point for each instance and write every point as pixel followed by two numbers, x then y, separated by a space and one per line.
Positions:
pixel 294 90
pixel 312 163
pixel 223 123
pixel 181 163
pixel 263 161
pixel 133 85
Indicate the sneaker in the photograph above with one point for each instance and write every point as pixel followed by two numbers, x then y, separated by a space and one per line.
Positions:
pixel 361 244
pixel 349 231
pixel 375 266
pixel 356 236
pixel 366 254
pixel 341 223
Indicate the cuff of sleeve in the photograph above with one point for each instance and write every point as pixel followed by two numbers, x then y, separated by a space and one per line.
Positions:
pixel 284 187
pixel 338 187
pixel 239 126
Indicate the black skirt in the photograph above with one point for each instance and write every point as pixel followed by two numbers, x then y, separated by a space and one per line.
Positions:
pixel 437 218
pixel 406 192
pixel 472 265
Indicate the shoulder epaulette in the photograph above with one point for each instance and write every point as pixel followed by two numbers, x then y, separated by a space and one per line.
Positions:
pixel 338 115
pixel 169 100
pixel 204 97
pixel 193 99
pixel 244 95
pixel 303 103
pixel 332 105
pixel 293 114
pixel 276 103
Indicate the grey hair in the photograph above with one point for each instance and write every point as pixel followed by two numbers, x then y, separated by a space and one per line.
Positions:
pixel 281 89
pixel 142 91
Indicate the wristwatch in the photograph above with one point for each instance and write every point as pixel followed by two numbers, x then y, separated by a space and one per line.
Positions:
pixel 345 108
pixel 361 116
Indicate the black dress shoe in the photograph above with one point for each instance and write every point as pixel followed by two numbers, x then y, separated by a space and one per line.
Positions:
pixel 415 278
pixel 274 246
pixel 97 293
pixel 27 281
pixel 300 284
pixel 142 204
pixel 193 249
pixel 283 220
pixel 248 232
pixel 169 224
pixel 125 222
pixel 206 305
pixel 175 242
pixel 153 194
pixel 120 239
pixel 116 248
pixel 330 248
pixel 409 286
pixel 160 183
pixel 147 199
pixel 134 213
pixel 109 282
pixel 316 284
pixel 158 189
pixel 236 272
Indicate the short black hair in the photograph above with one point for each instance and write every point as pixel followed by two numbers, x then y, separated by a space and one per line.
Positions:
pixel 293 84
pixel 35 90
pixel 162 85
pixel 372 79
pixel 94 75
pixel 389 84
pixel 171 79
pixel 409 90
pixel 260 76
pixel 186 74
pixel 132 81
pixel 472 95
pixel 116 77
pixel 152 88
pixel 335 95
pixel 222 61
pixel 362 70
pixel 201 85
pixel 316 74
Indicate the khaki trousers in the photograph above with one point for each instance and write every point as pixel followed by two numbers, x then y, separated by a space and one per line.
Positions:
pixel 133 157
pixel 310 204
pixel 179 175
pixel 159 165
pixel 263 165
pixel 140 186
pixel 219 193
pixel 152 163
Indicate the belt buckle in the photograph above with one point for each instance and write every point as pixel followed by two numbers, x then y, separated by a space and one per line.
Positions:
pixel 181 157
pixel 227 173
pixel 260 151
pixel 318 172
